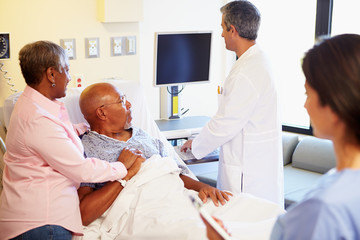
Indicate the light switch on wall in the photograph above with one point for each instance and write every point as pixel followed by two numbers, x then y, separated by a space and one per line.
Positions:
pixel 92 47
pixel 69 46
pixel 130 45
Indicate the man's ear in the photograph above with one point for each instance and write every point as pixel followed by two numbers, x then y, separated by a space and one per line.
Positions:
pixel 101 113
pixel 233 30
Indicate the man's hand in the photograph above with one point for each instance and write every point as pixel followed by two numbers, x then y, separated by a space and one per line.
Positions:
pixel 94 203
pixel 206 191
pixel 186 146
pixel 214 194
pixel 134 168
pixel 128 157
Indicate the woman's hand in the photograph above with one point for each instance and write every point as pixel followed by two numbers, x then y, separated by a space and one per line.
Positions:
pixel 214 194
pixel 128 156
pixel 81 128
pixel 134 169
pixel 211 233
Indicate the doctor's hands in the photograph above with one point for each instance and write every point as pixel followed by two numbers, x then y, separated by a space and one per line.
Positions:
pixel 214 194
pixel 186 146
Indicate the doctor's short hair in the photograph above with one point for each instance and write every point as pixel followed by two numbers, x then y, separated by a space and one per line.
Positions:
pixel 332 69
pixel 35 58
pixel 244 16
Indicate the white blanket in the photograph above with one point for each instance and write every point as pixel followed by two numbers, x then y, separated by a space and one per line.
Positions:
pixel 155 205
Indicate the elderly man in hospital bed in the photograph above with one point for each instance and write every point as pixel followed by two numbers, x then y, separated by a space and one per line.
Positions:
pixel 109 116
pixel 154 201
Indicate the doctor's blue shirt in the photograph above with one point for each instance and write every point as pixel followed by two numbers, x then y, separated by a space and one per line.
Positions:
pixel 330 211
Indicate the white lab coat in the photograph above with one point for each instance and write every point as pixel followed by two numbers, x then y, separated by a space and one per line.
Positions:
pixel 247 129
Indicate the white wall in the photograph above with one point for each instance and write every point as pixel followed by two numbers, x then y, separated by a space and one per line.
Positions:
pixel 53 20
pixel 29 21
pixel 185 15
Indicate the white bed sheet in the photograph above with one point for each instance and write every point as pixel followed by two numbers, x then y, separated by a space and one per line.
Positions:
pixel 155 205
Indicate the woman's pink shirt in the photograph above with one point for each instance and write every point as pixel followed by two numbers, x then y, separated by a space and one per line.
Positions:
pixel 44 166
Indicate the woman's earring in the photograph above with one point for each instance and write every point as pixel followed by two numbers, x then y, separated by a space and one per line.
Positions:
pixel 53 84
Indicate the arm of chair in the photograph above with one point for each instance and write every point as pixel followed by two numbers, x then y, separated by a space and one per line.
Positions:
pixel 289 142
pixel 314 154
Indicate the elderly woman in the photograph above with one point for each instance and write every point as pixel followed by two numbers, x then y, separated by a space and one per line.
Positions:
pixel 331 210
pixel 44 162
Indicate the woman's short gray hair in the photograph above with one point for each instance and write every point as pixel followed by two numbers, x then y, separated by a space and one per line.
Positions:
pixel 244 16
pixel 35 58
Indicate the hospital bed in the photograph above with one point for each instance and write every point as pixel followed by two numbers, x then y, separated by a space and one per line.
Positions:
pixel 247 218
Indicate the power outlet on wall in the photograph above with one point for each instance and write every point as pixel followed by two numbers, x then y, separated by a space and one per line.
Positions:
pixel 117 46
pixel 92 47
pixel 79 80
pixel 69 46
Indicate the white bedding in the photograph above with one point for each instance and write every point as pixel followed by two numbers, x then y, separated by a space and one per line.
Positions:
pixel 155 205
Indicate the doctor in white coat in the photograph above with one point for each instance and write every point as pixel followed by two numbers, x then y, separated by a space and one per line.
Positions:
pixel 246 126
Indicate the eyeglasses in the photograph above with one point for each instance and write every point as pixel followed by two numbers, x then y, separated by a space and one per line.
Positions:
pixel 122 101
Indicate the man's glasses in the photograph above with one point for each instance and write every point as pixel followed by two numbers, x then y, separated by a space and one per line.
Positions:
pixel 122 101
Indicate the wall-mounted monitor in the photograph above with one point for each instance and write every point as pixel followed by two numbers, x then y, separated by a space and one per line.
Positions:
pixel 182 58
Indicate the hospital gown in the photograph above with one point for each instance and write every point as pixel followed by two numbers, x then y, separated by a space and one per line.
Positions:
pixel 330 211
pixel 108 149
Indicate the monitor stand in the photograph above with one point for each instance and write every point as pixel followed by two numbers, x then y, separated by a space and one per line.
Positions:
pixel 174 102
pixel 169 102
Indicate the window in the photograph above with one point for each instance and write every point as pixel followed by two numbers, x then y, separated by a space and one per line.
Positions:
pixel 345 17
pixel 286 35
pixel 287 31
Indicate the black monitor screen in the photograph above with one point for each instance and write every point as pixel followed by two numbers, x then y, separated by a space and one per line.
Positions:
pixel 182 58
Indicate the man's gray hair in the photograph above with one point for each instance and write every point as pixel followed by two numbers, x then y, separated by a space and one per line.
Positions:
pixel 244 16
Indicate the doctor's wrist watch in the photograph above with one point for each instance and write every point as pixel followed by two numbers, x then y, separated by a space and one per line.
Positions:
pixel 122 182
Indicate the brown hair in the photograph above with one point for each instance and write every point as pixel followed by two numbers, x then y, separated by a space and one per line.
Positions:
pixel 332 68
